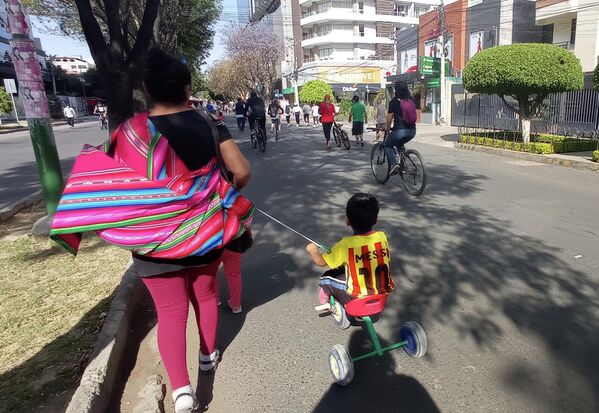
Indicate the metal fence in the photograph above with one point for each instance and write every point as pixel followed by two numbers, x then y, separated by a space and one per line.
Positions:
pixel 568 113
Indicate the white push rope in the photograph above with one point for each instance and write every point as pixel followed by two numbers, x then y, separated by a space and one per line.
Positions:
pixel 292 230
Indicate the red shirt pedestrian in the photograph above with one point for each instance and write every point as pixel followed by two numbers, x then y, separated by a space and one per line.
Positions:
pixel 327 117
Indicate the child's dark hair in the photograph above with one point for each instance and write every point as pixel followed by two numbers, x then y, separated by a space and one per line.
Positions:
pixel 165 77
pixel 362 212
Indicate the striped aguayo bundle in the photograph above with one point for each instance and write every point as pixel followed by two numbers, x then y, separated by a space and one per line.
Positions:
pixel 143 198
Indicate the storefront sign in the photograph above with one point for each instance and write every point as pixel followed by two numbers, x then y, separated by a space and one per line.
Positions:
pixel 432 66
pixel 341 74
pixel 433 83
pixel 349 89
pixel 476 42
pixel 408 59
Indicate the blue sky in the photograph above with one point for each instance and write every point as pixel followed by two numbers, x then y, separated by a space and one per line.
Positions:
pixel 56 44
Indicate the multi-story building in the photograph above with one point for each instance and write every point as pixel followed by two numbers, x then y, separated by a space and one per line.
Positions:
pixel 72 65
pixel 260 8
pixel 572 24
pixel 351 43
pixel 243 11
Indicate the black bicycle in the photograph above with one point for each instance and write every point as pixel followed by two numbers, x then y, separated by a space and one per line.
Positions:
pixel 258 138
pixel 103 122
pixel 340 136
pixel 409 167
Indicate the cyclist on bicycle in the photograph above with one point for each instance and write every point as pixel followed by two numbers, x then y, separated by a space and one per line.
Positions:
pixel 404 123
pixel 102 111
pixel 255 110
pixel 275 111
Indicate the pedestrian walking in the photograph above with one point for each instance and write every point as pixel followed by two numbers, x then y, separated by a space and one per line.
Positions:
pixel 315 116
pixel 240 114
pixel 297 111
pixel 306 110
pixel 177 268
pixel 327 117
pixel 358 116
pixel 288 114
pixel 381 119
pixel 69 113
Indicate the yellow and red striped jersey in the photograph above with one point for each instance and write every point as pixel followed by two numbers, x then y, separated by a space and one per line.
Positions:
pixel 367 262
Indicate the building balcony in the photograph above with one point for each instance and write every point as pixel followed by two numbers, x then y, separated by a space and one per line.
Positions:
pixel 311 40
pixel 550 9
pixel 348 15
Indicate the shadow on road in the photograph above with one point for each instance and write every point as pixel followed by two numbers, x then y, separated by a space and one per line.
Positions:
pixel 376 386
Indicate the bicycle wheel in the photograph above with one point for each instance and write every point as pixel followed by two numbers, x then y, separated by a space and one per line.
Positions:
pixel 413 172
pixel 254 140
pixel 345 140
pixel 336 136
pixel 379 164
pixel 262 140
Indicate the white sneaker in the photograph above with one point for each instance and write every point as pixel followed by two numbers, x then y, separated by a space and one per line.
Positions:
pixel 185 400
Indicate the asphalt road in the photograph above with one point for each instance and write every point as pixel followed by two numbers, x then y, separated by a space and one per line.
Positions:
pixel 497 260
pixel 18 170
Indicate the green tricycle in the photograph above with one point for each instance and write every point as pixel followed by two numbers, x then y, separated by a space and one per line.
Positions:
pixel 411 334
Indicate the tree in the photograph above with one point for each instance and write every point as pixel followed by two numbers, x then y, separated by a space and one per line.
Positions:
pixel 119 33
pixel 523 75
pixel 230 78
pixel 596 78
pixel 314 91
pixel 5 102
pixel 257 51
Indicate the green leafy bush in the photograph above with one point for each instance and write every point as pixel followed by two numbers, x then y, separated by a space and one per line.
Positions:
pixel 558 143
pixel 596 78
pixel 596 156
pixel 523 75
pixel 344 106
pixel 314 91
pixel 523 69
pixel 539 148
pixel 5 102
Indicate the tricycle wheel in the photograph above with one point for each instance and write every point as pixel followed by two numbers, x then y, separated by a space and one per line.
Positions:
pixel 341 365
pixel 414 334
pixel 339 315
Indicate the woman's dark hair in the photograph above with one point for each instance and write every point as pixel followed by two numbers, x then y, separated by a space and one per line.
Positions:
pixel 165 77
pixel 401 90
pixel 362 212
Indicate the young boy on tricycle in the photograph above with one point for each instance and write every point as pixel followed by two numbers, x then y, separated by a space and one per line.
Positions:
pixel 360 264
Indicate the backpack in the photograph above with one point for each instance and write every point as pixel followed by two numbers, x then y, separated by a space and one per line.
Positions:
pixel 408 109
pixel 273 110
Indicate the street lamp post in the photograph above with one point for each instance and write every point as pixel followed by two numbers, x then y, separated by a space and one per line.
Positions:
pixel 35 103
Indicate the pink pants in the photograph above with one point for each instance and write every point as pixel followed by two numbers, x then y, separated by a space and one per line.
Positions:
pixel 171 294
pixel 232 264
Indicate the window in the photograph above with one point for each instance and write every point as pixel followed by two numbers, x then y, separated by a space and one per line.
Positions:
pixel 361 30
pixel 73 66
pixel 82 67
pixel 573 33
pixel 361 7
pixel 474 2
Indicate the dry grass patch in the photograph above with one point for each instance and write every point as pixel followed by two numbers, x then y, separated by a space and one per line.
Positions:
pixel 51 310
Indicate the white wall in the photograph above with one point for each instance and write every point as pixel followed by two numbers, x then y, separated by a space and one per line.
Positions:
pixel 587 38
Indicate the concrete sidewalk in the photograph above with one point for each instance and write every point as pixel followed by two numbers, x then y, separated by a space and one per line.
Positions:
pixel 12 127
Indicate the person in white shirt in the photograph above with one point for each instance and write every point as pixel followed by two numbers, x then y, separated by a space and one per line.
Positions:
pixel 315 116
pixel 297 112
pixel 69 113
pixel 381 120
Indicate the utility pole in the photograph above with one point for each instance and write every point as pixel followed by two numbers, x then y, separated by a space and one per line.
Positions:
pixel 295 77
pixel 35 103
pixel 441 41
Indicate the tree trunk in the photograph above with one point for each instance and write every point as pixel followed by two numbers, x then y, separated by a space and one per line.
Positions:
pixel 525 127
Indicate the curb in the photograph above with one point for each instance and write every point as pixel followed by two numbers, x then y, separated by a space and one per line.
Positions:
pixel 16 206
pixel 95 391
pixel 569 163
pixel 83 119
